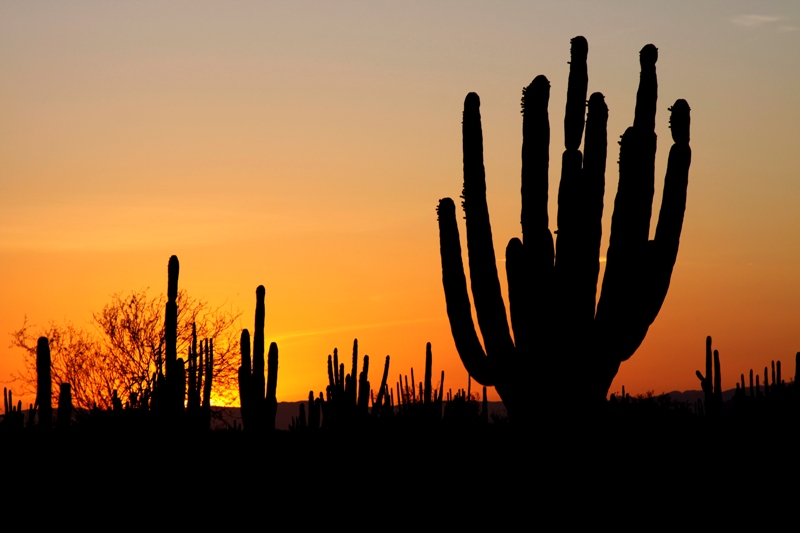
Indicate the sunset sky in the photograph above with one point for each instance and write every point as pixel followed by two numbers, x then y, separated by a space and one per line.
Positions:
pixel 305 145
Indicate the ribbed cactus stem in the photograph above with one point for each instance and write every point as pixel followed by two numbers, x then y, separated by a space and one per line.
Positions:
pixel 43 383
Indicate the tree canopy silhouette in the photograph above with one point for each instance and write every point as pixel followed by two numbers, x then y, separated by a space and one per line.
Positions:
pixel 122 351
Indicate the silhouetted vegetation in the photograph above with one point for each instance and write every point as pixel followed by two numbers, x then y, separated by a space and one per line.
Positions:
pixel 566 349
pixel 552 288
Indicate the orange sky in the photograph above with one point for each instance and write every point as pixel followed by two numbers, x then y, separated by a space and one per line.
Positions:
pixel 305 146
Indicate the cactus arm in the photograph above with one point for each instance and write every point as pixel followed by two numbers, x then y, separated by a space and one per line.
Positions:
pixel 518 292
pixel 535 168
pixel 354 374
pixel 647 94
pixel 664 248
pixel 529 319
pixel 245 378
pixel 272 386
pixel 630 223
pixel 708 365
pixel 378 403
pixel 621 321
pixel 363 387
pixel 209 375
pixel 330 373
pixel 576 93
pixel 594 182
pixel 428 364
pixel 459 310
pixel 569 189
pixel 489 305
pixel 258 344
pixel 717 380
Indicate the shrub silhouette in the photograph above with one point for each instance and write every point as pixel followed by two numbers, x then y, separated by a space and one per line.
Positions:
pixel 557 328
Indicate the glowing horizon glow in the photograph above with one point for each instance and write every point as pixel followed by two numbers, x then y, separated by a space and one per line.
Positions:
pixel 305 147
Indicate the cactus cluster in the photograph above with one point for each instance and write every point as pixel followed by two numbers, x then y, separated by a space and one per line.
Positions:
pixel 552 288
pixel 258 408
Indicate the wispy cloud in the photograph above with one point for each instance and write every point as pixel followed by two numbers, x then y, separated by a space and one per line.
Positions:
pixel 788 28
pixel 752 21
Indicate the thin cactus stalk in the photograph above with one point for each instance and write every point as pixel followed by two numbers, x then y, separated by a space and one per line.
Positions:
pixel 258 385
pixel 485 407
pixel 64 416
pixel 552 289
pixel 43 383
pixel 377 404
pixel 207 383
pixel 245 377
pixel 428 363
pixel 354 397
pixel 363 388
pixel 175 403
pixel 271 400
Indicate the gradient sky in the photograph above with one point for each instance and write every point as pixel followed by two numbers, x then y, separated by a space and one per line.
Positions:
pixel 304 146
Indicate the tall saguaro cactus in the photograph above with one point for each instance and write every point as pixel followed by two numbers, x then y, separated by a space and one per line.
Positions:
pixel 558 325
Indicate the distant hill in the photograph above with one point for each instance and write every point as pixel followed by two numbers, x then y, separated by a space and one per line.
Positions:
pixel 692 396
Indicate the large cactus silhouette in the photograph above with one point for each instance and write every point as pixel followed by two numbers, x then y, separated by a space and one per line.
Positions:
pixel 562 340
